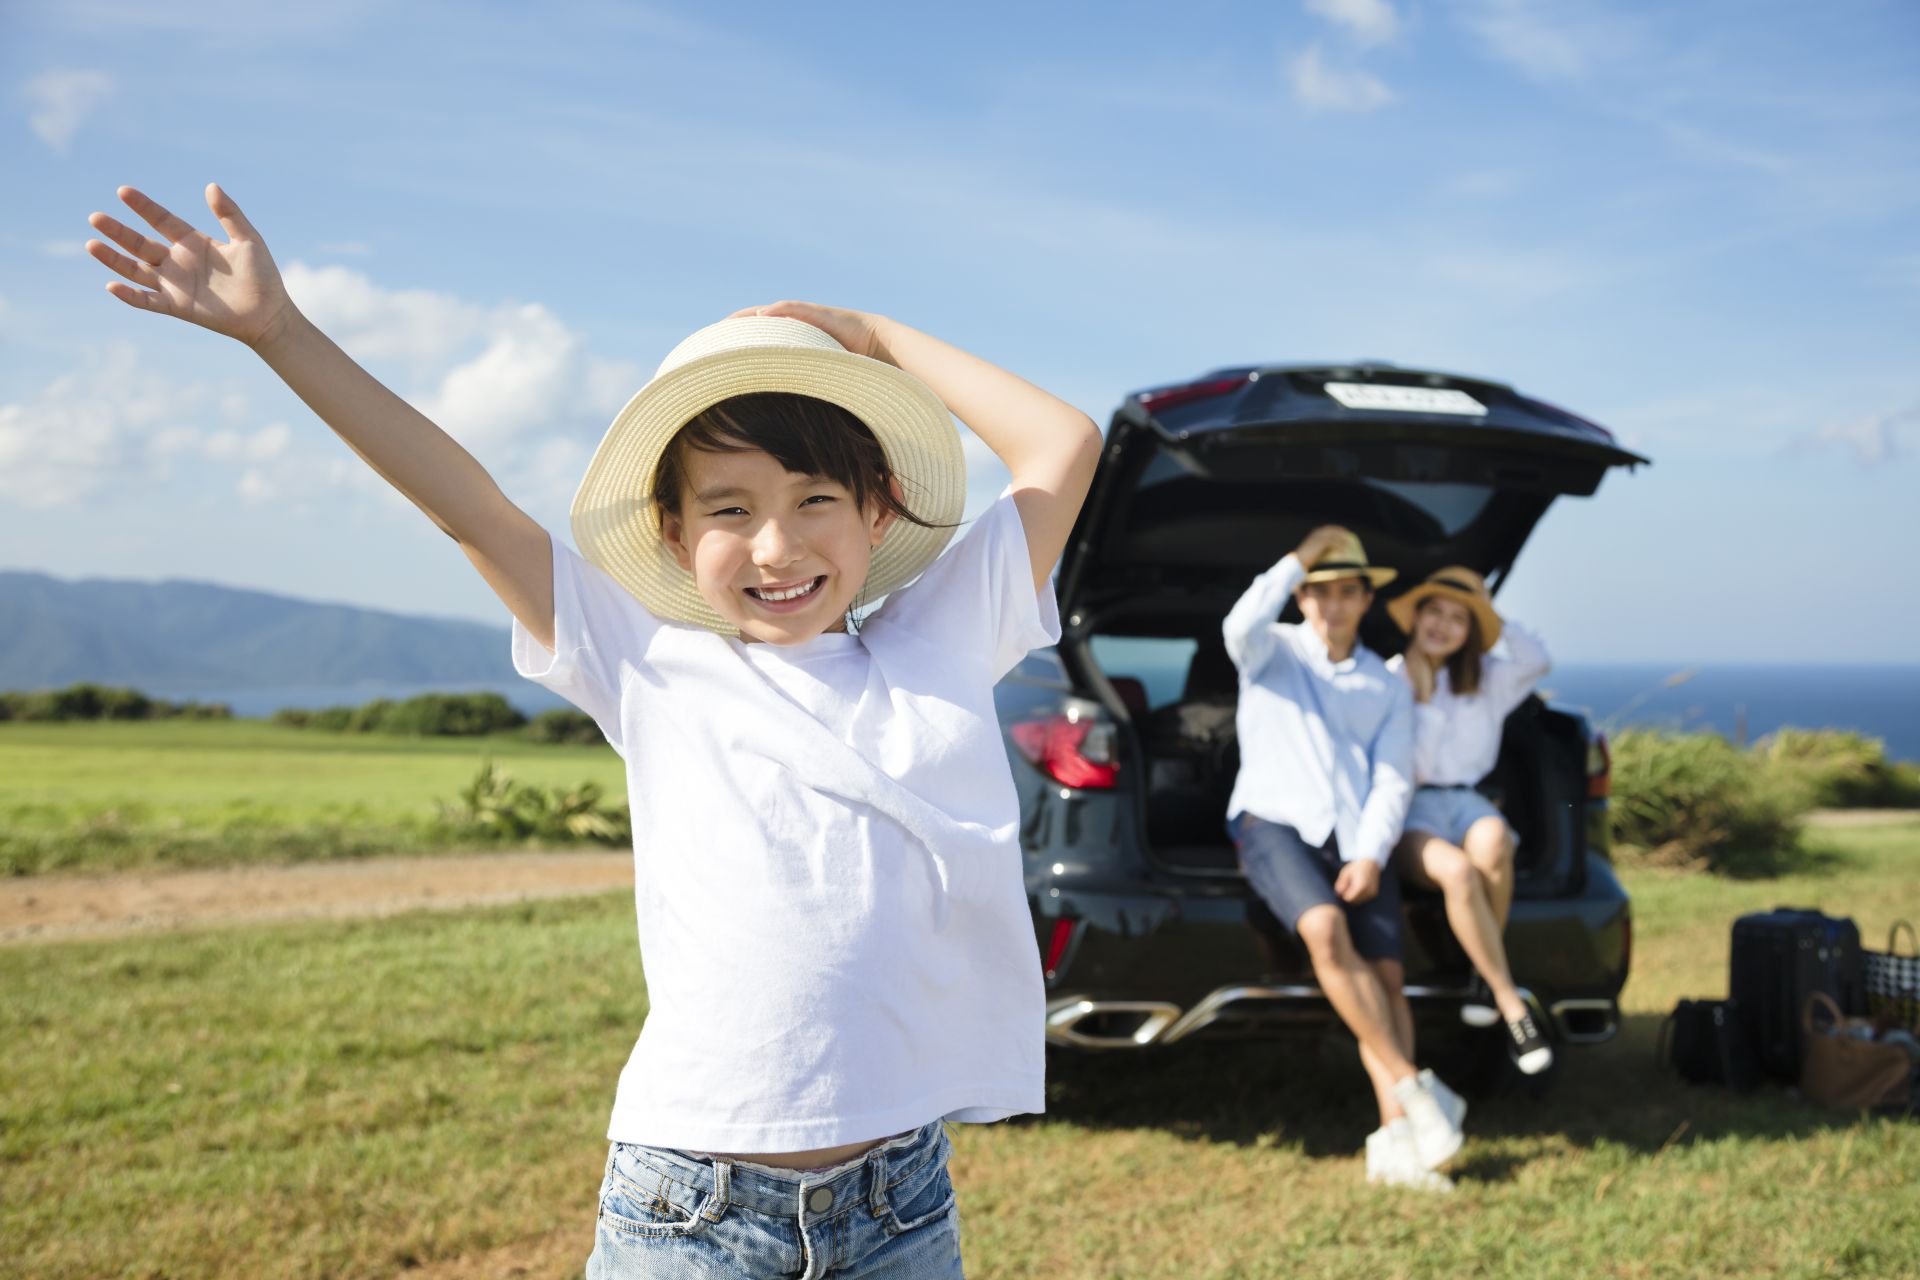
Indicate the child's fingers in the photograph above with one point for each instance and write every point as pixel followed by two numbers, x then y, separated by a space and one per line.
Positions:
pixel 232 221
pixel 170 225
pixel 140 298
pixel 148 251
pixel 138 272
pixel 746 311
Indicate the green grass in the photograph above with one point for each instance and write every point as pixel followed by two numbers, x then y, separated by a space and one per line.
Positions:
pixel 93 796
pixel 358 1099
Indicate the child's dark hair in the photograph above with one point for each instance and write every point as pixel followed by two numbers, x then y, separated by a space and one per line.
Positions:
pixel 804 434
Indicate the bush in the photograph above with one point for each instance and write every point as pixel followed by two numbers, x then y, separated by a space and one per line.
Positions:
pixel 424 715
pixel 1839 769
pixel 495 807
pixel 1695 801
pixel 564 727
pixel 100 702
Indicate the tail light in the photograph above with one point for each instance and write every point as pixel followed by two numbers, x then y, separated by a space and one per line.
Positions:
pixel 1076 746
pixel 1063 931
pixel 1599 768
pixel 1173 397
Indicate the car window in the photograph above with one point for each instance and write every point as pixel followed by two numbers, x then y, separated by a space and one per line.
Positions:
pixel 1159 663
pixel 1452 506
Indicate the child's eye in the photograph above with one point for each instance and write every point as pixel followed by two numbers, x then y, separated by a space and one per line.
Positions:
pixel 729 511
pixel 818 497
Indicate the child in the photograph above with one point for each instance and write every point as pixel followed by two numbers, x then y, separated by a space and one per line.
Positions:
pixel 1455 840
pixel 827 877
pixel 1326 746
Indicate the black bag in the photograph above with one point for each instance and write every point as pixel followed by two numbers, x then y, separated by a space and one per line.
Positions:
pixel 1780 958
pixel 1706 1042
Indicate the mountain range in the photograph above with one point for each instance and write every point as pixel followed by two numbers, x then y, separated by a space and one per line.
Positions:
pixel 179 634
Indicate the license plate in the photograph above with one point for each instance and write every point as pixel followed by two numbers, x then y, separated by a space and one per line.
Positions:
pixel 1373 395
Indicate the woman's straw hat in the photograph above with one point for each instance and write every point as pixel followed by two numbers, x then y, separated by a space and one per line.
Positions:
pixel 1348 559
pixel 1455 582
pixel 617 526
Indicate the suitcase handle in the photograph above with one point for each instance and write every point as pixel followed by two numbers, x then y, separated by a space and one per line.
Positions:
pixel 1893 937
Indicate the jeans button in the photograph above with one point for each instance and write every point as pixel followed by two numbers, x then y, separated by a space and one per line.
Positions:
pixel 820 1199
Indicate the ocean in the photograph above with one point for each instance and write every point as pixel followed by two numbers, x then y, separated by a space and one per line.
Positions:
pixel 1742 702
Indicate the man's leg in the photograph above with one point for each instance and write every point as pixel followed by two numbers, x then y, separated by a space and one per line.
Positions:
pixel 1354 991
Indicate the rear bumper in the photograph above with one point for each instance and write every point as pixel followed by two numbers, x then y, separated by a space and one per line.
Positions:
pixel 1155 962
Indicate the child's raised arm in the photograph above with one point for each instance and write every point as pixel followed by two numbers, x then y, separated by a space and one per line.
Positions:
pixel 235 289
pixel 1050 447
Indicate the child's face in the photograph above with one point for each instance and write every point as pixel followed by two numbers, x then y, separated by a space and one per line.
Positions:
pixel 753 534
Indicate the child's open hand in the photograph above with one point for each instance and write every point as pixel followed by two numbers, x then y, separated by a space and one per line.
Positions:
pixel 857 331
pixel 230 288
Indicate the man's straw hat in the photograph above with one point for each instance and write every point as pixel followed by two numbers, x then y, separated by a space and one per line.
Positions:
pixel 1455 582
pixel 1348 559
pixel 617 527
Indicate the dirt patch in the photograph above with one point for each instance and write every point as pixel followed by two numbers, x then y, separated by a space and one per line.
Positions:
pixel 41 908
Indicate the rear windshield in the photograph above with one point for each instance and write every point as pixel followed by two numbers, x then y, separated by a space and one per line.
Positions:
pixel 1159 663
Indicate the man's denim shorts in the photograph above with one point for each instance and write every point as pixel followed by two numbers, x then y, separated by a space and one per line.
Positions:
pixel 1448 812
pixel 889 1214
pixel 1293 877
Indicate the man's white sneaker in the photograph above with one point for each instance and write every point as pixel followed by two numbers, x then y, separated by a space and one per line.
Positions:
pixel 1434 1137
pixel 1392 1160
pixel 1452 1105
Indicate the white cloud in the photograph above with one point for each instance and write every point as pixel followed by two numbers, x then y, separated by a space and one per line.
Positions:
pixel 84 428
pixel 1522 33
pixel 61 101
pixel 1369 21
pixel 257 446
pixel 417 326
pixel 1872 438
pixel 1319 87
pixel 73 248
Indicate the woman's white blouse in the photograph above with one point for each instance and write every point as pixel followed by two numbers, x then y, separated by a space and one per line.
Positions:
pixel 1456 739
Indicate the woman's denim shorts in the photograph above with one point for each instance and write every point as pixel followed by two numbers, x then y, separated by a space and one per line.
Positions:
pixel 1448 812
pixel 889 1214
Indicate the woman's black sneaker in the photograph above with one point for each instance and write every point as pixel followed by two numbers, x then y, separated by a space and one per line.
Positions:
pixel 1531 1052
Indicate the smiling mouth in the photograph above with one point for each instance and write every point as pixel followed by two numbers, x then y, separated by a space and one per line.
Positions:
pixel 787 595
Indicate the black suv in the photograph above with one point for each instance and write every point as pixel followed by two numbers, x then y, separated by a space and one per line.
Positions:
pixel 1123 739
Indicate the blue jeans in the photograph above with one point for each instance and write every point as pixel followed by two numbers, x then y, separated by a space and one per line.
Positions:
pixel 887 1215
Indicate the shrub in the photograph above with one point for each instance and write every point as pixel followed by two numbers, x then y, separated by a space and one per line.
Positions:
pixel 565 727
pixel 101 702
pixel 1839 769
pixel 1694 800
pixel 495 807
pixel 452 714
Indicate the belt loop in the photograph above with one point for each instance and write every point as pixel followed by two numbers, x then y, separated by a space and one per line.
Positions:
pixel 877 1182
pixel 722 1191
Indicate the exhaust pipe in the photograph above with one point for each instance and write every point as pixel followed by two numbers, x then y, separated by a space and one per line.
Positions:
pixel 1109 1024
pixel 1586 1021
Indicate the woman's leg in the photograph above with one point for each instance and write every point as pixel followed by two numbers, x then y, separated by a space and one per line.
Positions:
pixel 1445 867
pixel 1489 846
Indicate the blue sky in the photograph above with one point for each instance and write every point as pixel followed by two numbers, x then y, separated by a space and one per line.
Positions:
pixel 1697 224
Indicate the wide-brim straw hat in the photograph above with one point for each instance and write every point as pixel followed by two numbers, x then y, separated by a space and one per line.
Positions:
pixel 617 526
pixel 1349 560
pixel 1455 582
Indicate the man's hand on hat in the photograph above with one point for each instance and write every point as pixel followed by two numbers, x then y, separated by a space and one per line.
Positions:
pixel 857 331
pixel 1358 881
pixel 232 288
pixel 1318 543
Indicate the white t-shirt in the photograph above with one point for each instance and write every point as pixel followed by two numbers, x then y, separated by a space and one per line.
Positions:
pixel 827 875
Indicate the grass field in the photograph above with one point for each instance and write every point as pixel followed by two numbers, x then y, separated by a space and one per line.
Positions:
pixel 365 1099
pixel 96 796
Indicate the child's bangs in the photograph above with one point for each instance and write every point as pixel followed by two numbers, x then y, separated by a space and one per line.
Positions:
pixel 804 434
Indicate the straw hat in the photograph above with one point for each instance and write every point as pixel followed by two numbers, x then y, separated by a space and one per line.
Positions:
pixel 1348 559
pixel 1455 582
pixel 617 526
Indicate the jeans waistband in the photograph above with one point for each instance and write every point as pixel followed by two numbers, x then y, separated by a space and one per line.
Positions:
pixel 784 1192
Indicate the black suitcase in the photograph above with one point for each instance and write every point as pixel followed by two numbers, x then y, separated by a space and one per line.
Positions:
pixel 1780 957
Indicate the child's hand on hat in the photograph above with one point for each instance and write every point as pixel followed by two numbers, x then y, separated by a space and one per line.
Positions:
pixel 1316 544
pixel 857 331
pixel 232 288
